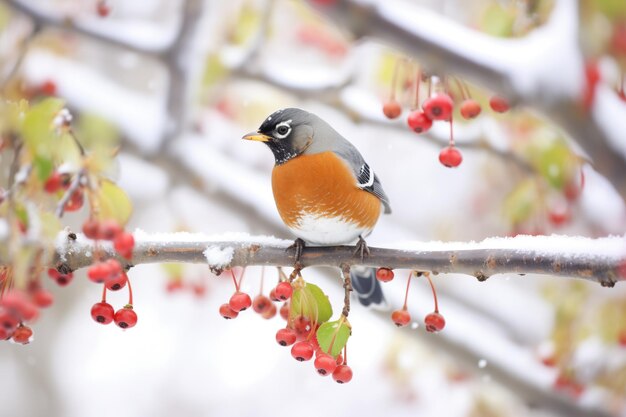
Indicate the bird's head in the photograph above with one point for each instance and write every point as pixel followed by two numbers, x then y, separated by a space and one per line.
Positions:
pixel 287 132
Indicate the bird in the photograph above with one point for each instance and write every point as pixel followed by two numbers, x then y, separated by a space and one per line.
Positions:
pixel 325 192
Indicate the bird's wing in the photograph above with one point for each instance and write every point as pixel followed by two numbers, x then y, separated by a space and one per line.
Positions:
pixel 366 178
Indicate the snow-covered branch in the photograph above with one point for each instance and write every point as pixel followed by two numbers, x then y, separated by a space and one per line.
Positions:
pixel 595 260
pixel 543 70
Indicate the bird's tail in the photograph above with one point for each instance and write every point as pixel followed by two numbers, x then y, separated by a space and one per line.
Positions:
pixel 367 288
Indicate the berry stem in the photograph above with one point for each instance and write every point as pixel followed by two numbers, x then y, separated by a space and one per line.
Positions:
pixel 345 354
pixel 394 79
pixel 432 287
pixel 451 133
pixel 104 293
pixel 234 280
pixel 418 81
pixel 262 280
pixel 347 287
pixel 130 291
pixel 460 87
pixel 406 294
pixel 430 86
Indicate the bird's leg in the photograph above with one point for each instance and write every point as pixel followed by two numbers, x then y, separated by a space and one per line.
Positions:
pixel 361 248
pixel 298 245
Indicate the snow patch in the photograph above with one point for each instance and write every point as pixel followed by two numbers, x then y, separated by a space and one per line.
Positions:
pixel 235 237
pixel 219 257
pixel 4 229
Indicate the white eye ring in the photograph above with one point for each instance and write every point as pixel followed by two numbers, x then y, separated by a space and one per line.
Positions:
pixel 280 127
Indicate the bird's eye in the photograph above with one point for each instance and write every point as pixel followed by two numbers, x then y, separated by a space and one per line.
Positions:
pixel 283 130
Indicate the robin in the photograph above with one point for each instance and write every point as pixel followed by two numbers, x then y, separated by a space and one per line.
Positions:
pixel 324 190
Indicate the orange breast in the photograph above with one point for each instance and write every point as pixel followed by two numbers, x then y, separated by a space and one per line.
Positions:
pixel 322 184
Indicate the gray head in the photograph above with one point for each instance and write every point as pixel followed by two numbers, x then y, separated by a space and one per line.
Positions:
pixel 291 132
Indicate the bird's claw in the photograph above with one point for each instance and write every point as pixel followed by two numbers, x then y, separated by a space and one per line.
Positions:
pixel 361 248
pixel 298 246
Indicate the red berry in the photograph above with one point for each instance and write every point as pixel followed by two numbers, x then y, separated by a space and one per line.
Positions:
pixel 61 279
pixel 22 335
pixel 622 271
pixel 470 109
pixel 124 244
pixel 392 109
pixel 325 364
pixel 283 291
pixel 438 107
pixel 227 312
pixel 272 295
pixel 434 322
pixel 270 312
pixel 498 104
pixel 284 311
pixel 302 351
pixel 98 272
pixel 302 325
pixel 48 88
pixel 125 317
pixel 91 228
pixel 117 281
pixel 18 304
pixel 109 230
pixel 384 274
pixel 261 304
pixel 5 334
pixel 286 337
pixel 574 187
pixel 342 374
pixel 401 317
pixel 42 298
pixel 240 301
pixel 53 183
pixel 618 40
pixel 621 338
pixel 450 157
pixel 102 313
pixel 559 217
pixel 8 321
pixel 103 8
pixel 419 122
pixel 76 201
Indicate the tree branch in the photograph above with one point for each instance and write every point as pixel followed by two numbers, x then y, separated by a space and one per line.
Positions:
pixel 596 260
pixel 543 70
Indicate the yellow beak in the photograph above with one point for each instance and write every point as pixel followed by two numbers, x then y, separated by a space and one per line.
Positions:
pixel 259 137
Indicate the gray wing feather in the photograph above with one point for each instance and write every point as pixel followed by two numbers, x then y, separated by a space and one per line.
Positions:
pixel 366 178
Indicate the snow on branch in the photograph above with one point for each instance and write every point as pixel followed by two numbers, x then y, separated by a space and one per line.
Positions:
pixel 595 260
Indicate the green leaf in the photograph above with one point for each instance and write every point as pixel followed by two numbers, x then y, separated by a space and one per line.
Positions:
pixel 521 203
pixel 43 167
pixel 214 70
pixel 37 130
pixel 498 21
pixel 113 203
pixel 311 302
pixel 554 160
pixel 333 336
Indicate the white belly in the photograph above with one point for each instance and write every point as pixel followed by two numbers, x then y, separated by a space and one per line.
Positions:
pixel 328 231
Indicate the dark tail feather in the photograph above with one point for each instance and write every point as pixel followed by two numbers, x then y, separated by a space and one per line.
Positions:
pixel 366 287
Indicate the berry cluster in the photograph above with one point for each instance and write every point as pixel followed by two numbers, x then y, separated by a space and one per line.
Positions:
pixel 301 311
pixel 110 272
pixel 438 106
pixel 18 307
pixel 61 182
pixel 434 321
pixel 103 8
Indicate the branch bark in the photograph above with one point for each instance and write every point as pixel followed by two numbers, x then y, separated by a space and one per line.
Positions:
pixel 586 260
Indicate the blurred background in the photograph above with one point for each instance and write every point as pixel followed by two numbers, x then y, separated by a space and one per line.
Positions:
pixel 178 83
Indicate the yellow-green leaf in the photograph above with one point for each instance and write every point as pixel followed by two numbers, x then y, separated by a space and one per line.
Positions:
pixel 311 302
pixel 333 336
pixel 37 129
pixel 521 203
pixel 113 203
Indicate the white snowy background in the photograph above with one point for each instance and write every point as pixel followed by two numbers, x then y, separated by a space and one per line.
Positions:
pixel 182 358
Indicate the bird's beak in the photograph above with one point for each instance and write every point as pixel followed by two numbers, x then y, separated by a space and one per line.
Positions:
pixel 259 137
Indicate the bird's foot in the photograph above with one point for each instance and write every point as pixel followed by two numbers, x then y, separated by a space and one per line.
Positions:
pixel 361 248
pixel 298 246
